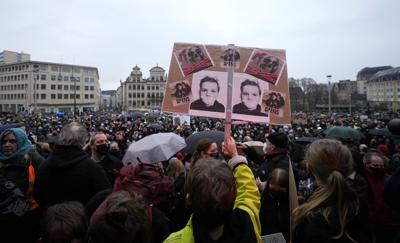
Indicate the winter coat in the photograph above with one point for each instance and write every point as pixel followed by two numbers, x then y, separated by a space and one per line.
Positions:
pixel 69 175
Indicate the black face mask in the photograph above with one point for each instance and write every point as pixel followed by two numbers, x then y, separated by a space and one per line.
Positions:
pixel 377 173
pixel 102 149
pixel 213 221
pixel 278 195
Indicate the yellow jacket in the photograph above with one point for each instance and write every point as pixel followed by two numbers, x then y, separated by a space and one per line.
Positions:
pixel 247 199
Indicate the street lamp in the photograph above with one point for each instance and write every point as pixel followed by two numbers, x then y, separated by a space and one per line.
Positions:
pixel 329 92
pixel 34 71
pixel 74 79
pixel 349 97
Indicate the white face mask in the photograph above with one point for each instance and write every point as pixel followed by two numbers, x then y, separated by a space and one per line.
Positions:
pixel 265 147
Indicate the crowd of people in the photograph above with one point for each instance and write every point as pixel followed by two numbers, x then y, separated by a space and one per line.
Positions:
pixel 68 184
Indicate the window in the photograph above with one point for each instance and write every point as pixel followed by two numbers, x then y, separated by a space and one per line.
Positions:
pixel 86 80
pixel 130 95
pixel 59 87
pixel 66 96
pixel 134 95
pixel 129 87
pixel 78 87
pixel 71 96
pixel 43 96
pixel 92 80
pixel 78 96
pixel 53 77
pixel 86 87
pixel 86 96
pixel 91 88
pixel 43 77
pixel 42 86
pixel 65 78
pixel 66 87
pixel 59 96
pixel 91 96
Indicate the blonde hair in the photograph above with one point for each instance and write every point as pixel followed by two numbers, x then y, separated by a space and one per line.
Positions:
pixel 330 162
pixel 175 168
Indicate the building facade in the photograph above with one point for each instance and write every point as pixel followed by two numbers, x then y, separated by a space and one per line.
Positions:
pixel 35 86
pixel 366 73
pixel 383 89
pixel 12 57
pixel 141 93
pixel 108 100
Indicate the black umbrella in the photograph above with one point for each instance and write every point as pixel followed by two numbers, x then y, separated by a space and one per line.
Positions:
pixel 156 126
pixel 136 115
pixel 303 140
pixel 194 139
pixel 379 132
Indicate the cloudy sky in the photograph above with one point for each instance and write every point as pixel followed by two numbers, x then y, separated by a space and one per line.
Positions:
pixel 337 37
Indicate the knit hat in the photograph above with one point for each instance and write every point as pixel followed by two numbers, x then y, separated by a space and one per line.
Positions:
pixel 278 139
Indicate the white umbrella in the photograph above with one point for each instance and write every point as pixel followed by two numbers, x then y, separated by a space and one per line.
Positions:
pixel 154 148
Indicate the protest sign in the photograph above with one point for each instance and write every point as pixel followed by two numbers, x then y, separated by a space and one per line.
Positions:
pixel 198 83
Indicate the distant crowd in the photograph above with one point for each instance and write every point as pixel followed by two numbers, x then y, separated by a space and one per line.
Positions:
pixel 62 179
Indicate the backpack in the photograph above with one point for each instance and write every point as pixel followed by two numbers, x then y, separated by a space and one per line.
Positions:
pixel 148 181
pixel 12 200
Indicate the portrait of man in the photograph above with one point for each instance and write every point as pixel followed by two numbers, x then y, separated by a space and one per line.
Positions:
pixel 250 94
pixel 208 93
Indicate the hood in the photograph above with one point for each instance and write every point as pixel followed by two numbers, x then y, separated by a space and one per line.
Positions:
pixel 65 156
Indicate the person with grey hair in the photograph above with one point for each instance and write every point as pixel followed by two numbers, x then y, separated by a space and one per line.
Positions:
pixel 101 155
pixel 69 174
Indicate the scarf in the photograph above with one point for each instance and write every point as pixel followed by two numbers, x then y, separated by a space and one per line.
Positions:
pixel 23 144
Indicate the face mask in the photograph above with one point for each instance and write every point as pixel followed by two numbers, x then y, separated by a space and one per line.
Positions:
pixel 278 195
pixel 377 173
pixel 102 149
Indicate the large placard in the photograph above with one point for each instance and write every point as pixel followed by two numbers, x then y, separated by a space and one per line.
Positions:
pixel 198 83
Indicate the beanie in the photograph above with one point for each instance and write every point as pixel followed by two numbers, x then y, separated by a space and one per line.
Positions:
pixel 278 139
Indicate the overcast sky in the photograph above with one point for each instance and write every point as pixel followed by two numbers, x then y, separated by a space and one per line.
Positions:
pixel 320 37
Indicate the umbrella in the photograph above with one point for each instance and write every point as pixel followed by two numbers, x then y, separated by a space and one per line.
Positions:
pixel 256 145
pixel 305 140
pixel 136 115
pixel 194 139
pixel 154 148
pixel 379 132
pixel 156 126
pixel 344 133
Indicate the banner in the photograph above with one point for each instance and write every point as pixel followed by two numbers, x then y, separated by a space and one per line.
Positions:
pixel 197 83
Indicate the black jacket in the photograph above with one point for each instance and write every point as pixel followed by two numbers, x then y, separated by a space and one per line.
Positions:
pixel 267 163
pixel 275 214
pixel 391 193
pixel 68 175
pixel 200 105
pixel 315 229
pixel 242 109
pixel 111 166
